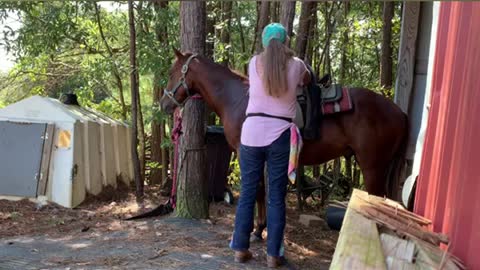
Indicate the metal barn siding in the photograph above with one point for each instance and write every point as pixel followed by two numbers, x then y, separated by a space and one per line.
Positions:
pixel 449 180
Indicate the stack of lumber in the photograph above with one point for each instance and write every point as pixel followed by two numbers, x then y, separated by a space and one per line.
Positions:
pixel 378 233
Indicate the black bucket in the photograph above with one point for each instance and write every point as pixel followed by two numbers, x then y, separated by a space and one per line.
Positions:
pixel 334 216
pixel 218 160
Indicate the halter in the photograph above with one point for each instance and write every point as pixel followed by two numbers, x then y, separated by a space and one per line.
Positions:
pixel 171 93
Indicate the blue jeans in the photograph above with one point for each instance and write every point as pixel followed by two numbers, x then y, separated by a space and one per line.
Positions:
pixel 252 160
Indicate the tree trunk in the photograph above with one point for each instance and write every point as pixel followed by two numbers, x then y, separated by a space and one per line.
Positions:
pixel 158 174
pixel 287 14
pixel 312 34
pixel 210 29
pixel 303 28
pixel 263 18
pixel 242 38
pixel 329 29
pixel 210 47
pixel 141 132
pixel 140 124
pixel 343 60
pixel 356 175
pixel 386 57
pixel 116 73
pixel 337 166
pixel 134 93
pixel 171 151
pixel 316 171
pixel 275 8
pixel 225 33
pixel 192 192
pixel 348 168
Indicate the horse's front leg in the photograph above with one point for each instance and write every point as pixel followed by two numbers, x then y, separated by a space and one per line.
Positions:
pixel 261 211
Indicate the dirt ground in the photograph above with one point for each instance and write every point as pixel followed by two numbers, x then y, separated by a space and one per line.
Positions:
pixel 97 228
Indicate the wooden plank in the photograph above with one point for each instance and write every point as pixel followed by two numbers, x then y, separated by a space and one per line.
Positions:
pixel 431 257
pixel 406 56
pixel 45 163
pixel 397 264
pixel 358 245
pixel 397 250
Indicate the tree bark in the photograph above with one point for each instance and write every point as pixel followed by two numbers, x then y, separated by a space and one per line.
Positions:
pixel 356 175
pixel 312 34
pixel 263 18
pixel 210 28
pixel 141 132
pixel 275 8
pixel 140 124
pixel 329 29
pixel 287 14
pixel 343 60
pixel 158 174
pixel 303 28
pixel 242 38
pixel 337 166
pixel 212 35
pixel 316 171
pixel 192 192
pixel 157 126
pixel 348 168
pixel 386 61
pixel 225 33
pixel 134 93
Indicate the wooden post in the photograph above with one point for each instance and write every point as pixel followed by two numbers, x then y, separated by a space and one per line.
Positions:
pixel 406 57
pixel 45 164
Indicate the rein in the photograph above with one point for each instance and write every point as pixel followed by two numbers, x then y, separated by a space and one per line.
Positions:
pixel 183 82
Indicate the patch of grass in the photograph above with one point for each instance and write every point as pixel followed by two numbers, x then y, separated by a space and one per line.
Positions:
pixel 15 215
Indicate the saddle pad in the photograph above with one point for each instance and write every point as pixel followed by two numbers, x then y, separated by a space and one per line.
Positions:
pixel 332 93
pixel 341 105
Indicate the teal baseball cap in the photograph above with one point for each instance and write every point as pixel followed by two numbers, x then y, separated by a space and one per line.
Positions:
pixel 273 31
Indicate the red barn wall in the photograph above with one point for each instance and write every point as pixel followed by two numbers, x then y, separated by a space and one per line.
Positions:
pixel 448 190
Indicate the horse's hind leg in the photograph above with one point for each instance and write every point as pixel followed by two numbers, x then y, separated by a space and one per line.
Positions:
pixel 261 211
pixel 375 180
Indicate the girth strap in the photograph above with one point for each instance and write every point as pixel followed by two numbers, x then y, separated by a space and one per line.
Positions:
pixel 270 116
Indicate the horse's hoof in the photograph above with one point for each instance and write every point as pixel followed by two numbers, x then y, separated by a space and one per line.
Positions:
pixel 255 239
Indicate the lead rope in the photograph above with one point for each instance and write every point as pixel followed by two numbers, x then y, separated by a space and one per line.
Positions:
pixel 176 133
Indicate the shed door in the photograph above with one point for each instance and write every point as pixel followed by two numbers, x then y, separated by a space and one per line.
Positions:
pixel 21 146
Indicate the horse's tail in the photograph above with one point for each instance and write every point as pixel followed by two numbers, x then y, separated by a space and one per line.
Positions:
pixel 395 169
pixel 160 210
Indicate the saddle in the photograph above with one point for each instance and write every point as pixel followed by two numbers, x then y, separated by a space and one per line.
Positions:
pixel 319 97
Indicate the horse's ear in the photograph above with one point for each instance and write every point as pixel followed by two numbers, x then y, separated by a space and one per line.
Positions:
pixel 178 53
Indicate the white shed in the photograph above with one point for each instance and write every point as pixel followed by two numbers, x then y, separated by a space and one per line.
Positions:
pixel 60 151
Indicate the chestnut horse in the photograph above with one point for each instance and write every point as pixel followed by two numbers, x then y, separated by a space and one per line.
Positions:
pixel 374 131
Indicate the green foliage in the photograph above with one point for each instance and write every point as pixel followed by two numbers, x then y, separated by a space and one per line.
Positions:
pixel 234 176
pixel 60 48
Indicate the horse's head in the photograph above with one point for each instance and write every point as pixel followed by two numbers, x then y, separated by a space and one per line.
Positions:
pixel 180 85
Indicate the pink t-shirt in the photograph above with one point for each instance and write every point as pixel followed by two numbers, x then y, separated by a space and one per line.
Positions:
pixel 262 131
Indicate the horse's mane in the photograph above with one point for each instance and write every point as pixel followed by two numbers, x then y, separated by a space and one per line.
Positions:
pixel 216 65
pixel 233 72
pixel 239 74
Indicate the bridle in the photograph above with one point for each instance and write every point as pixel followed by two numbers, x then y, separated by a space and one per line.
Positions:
pixel 183 82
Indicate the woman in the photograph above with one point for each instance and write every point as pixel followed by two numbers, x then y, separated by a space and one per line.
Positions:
pixel 274 77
